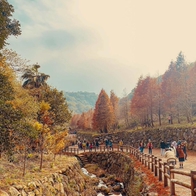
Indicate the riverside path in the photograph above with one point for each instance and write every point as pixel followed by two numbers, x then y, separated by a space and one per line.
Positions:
pixel 189 164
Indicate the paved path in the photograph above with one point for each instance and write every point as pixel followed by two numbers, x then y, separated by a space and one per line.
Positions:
pixel 189 164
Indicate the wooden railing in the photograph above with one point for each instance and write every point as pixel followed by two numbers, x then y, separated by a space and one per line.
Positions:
pixel 160 168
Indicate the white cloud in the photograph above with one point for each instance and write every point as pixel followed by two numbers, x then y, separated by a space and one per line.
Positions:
pixel 124 39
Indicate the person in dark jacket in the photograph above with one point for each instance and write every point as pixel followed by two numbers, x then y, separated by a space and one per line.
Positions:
pixel 162 146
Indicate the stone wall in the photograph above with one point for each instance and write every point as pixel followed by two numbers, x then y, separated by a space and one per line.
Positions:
pixel 68 182
pixel 114 163
pixel 156 135
pixel 72 182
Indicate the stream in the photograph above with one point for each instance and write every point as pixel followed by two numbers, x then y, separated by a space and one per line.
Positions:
pixel 101 183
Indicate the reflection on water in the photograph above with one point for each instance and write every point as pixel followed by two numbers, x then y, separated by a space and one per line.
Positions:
pixel 101 183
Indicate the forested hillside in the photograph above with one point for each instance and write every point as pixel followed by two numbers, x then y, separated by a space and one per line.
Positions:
pixel 79 102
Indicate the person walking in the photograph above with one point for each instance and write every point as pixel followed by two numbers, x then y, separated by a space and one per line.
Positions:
pixel 150 147
pixel 180 154
pixel 141 146
pixel 184 147
pixel 121 145
pixel 162 146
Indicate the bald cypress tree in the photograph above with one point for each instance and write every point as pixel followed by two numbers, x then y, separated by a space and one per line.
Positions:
pixel 103 116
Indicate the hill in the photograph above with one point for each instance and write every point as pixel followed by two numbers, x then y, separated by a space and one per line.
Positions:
pixel 80 102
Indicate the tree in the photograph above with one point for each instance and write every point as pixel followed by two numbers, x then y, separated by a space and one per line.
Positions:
pixel 124 107
pixel 175 90
pixel 9 116
pixel 103 116
pixel 15 62
pixel 43 126
pixel 139 102
pixel 57 142
pixel 33 78
pixel 114 101
pixel 8 26
pixel 58 104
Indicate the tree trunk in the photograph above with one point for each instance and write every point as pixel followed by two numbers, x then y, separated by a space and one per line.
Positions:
pixel 41 151
pixel 24 164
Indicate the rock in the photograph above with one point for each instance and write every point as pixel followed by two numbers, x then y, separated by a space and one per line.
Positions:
pixel 31 194
pixel 117 188
pixel 23 193
pixel 14 192
pixel 3 193
pixel 31 186
pixel 104 189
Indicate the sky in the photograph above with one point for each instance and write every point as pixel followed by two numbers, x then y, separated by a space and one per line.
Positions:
pixel 89 45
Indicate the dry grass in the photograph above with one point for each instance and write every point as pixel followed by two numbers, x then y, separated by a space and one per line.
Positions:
pixel 12 173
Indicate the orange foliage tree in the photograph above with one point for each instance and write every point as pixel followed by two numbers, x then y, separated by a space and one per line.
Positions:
pixel 114 101
pixel 144 100
pixel 103 116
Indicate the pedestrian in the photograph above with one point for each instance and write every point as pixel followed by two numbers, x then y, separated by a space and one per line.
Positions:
pixel 162 146
pixel 180 154
pixel 106 143
pixel 179 142
pixel 169 119
pixel 184 146
pixel 97 144
pixel 141 146
pixel 174 144
pixel 121 145
pixel 150 147
pixel 110 144
pixel 91 146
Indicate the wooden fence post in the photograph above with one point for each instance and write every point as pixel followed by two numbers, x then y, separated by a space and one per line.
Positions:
pixel 165 172
pixel 193 183
pixel 126 148
pixel 138 155
pixel 145 160
pixel 155 166
pixel 143 155
pixel 172 184
pixel 149 156
pixel 152 163
pixel 160 170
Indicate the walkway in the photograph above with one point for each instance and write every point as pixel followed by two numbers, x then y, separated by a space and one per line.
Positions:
pixel 189 164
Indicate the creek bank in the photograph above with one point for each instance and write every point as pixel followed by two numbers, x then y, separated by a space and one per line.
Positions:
pixel 107 184
pixel 113 163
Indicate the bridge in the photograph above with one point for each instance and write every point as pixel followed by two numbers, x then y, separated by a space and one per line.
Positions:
pixel 181 182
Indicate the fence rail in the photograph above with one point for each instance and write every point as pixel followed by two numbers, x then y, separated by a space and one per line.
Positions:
pixel 161 169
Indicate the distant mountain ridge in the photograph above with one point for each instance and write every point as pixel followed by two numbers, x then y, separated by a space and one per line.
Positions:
pixel 80 101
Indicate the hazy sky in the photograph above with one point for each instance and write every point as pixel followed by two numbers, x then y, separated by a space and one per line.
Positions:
pixel 87 45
